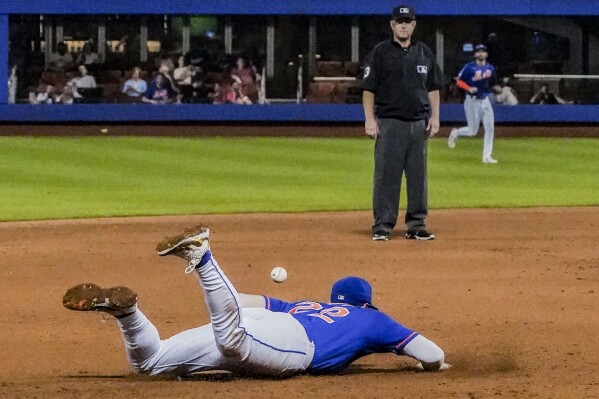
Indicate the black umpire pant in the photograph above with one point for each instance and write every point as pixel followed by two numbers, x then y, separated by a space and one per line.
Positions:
pixel 400 147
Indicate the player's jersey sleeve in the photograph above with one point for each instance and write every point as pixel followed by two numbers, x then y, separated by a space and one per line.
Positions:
pixel 390 336
pixel 465 74
pixel 370 81
pixel 277 305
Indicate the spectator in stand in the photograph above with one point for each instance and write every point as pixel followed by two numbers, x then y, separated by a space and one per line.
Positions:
pixel 240 95
pixel 223 92
pixel 228 91
pixel 246 77
pixel 163 59
pixel 66 97
pixel 87 56
pixel 83 81
pixel 42 97
pixel 544 96
pixel 135 87
pixel 183 76
pixel 61 60
pixel 159 91
pixel 504 94
pixel 169 78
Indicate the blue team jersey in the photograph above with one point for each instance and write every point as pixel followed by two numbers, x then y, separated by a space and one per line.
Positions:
pixel 342 333
pixel 479 76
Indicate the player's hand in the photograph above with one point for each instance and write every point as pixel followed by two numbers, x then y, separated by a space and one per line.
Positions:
pixel 433 126
pixel 473 90
pixel 372 128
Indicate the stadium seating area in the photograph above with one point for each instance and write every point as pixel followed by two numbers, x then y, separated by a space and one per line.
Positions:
pixel 335 82
pixel 217 83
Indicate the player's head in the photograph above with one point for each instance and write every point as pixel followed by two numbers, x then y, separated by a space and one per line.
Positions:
pixel 352 290
pixel 480 52
pixel 403 22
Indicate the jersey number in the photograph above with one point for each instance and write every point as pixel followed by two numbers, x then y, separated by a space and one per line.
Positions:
pixel 326 315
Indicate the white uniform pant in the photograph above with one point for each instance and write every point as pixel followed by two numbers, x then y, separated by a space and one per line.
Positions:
pixel 255 341
pixel 477 111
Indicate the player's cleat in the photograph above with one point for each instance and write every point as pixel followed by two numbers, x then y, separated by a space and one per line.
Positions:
pixel 420 235
pixel 380 236
pixel 489 160
pixel 190 245
pixel 452 138
pixel 116 301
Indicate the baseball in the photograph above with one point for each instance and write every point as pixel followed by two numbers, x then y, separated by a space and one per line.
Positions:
pixel 278 274
pixel 104 130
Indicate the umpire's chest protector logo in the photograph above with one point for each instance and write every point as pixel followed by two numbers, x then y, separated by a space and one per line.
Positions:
pixel 422 69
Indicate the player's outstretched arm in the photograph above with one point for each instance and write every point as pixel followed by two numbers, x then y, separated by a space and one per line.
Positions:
pixel 252 301
pixel 431 357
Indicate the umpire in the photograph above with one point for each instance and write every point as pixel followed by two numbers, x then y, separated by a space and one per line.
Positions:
pixel 401 93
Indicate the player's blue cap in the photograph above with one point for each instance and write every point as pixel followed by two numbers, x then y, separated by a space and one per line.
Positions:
pixel 353 290
pixel 480 47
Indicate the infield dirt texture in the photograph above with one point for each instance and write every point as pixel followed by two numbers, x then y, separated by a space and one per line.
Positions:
pixel 511 295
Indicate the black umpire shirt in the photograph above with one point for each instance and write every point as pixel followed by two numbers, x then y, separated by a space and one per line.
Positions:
pixel 401 79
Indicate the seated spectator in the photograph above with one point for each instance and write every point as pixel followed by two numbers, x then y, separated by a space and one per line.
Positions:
pixel 83 81
pixel 135 87
pixel 247 78
pixel 504 94
pixel 183 77
pixel 228 91
pixel 240 95
pixel 87 56
pixel 224 93
pixel 43 97
pixel 544 96
pixel 61 60
pixel 169 78
pixel 66 97
pixel 159 91
pixel 163 59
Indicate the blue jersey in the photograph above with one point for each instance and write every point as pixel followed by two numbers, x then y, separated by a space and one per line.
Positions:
pixel 480 76
pixel 342 333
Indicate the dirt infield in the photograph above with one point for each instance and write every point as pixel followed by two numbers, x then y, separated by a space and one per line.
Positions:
pixel 511 295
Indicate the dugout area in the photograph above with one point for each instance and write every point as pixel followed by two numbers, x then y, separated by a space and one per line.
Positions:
pixel 510 295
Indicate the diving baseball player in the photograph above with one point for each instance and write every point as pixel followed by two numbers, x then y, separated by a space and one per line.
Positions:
pixel 253 334
pixel 477 78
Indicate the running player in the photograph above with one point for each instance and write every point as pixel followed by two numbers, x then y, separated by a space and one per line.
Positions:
pixel 253 334
pixel 477 78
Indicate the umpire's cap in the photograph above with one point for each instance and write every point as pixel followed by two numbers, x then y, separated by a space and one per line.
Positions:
pixel 354 291
pixel 403 11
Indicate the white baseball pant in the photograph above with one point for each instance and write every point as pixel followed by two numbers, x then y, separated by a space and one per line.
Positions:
pixel 255 340
pixel 477 111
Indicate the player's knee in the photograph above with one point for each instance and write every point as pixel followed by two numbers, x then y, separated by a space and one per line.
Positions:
pixel 231 347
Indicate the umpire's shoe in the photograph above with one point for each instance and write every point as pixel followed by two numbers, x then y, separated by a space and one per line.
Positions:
pixel 420 235
pixel 116 301
pixel 190 245
pixel 380 236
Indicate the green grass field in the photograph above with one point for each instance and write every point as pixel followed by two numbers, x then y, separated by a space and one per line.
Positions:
pixel 52 178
